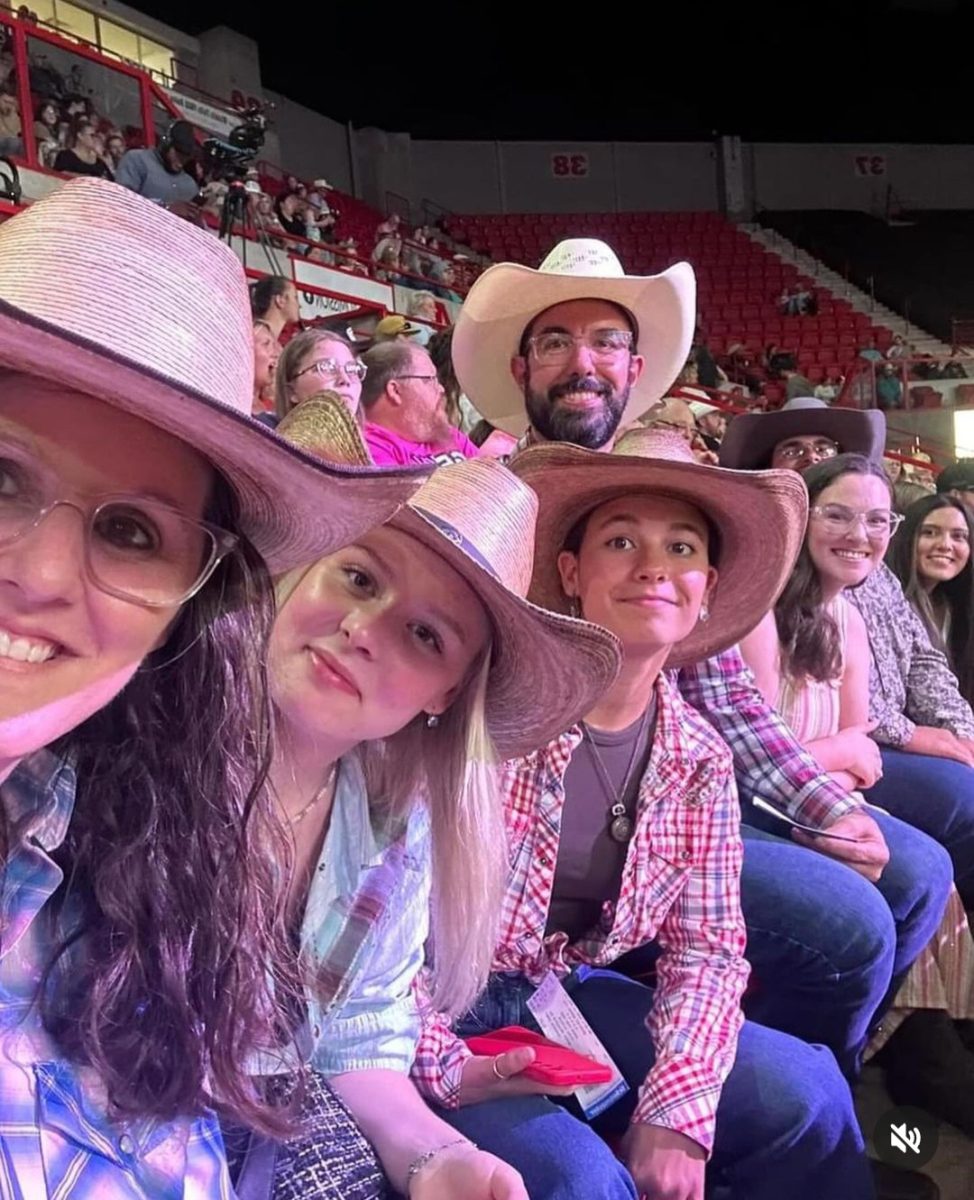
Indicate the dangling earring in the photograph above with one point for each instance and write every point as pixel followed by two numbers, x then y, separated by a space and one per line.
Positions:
pixel 575 607
pixel 432 720
pixel 704 613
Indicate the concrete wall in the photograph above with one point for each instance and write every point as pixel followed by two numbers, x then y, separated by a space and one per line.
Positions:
pixel 565 176
pixel 309 144
pixel 787 176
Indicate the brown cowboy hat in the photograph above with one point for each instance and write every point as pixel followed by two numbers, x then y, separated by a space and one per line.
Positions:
pixel 547 670
pixel 751 438
pixel 759 516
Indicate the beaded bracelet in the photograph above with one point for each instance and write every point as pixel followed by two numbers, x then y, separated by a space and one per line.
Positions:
pixel 424 1159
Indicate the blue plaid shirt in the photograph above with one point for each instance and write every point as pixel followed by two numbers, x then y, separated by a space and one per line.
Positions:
pixel 55 1139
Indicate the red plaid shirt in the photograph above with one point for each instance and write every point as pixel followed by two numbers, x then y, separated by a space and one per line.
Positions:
pixel 680 885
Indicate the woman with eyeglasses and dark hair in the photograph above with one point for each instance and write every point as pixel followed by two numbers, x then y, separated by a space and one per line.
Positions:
pixel 931 557
pixel 810 657
pixel 316 361
pixel 142 951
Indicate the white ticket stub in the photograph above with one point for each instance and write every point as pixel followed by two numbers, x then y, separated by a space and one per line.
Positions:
pixel 560 1020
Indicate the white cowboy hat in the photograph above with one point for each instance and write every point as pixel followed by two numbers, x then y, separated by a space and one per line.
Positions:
pixel 508 296
pixel 546 670
pixel 108 294
pixel 759 517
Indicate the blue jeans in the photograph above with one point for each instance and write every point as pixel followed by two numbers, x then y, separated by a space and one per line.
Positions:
pixel 785 1123
pixel 829 949
pixel 937 796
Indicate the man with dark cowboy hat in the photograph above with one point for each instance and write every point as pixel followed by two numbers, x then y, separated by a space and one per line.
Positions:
pixel 802 432
pixel 577 304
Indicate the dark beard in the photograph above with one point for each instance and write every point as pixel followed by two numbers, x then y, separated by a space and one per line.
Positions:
pixel 592 428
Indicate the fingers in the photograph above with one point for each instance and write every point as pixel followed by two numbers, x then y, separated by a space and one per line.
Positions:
pixel 513 1062
pixel 506 1184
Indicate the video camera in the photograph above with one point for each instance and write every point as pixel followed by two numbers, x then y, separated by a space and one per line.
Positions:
pixel 231 157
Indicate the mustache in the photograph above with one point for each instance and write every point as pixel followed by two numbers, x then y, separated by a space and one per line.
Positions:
pixel 581 383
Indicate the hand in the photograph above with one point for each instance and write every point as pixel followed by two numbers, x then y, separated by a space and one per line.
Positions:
pixel 941 743
pixel 481 1082
pixel 862 755
pixel 464 1173
pixel 868 855
pixel 665 1165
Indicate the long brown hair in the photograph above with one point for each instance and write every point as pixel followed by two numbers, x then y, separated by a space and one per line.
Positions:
pixel 809 637
pixel 167 872
pixel 957 593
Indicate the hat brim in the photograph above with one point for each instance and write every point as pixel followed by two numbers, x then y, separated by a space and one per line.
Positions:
pixel 547 670
pixel 760 516
pixel 293 506
pixel 507 297
pixel 751 438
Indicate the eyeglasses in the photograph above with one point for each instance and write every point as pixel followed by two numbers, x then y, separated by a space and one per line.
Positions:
pixel 425 378
pixel 604 345
pixel 328 368
pixel 836 519
pixel 792 450
pixel 136 548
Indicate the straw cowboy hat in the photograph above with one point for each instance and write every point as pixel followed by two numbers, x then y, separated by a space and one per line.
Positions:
pixel 322 425
pixel 547 670
pixel 108 294
pixel 759 517
pixel 507 297
pixel 751 438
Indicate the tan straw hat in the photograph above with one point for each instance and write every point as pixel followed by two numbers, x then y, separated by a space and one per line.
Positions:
pixel 546 670
pixel 108 294
pixel 323 425
pixel 759 517
pixel 507 297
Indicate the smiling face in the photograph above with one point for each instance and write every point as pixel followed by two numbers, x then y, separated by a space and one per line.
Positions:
pixel 848 530
pixel 943 546
pixel 267 350
pixel 370 638
pixel 642 571
pixel 578 396
pixel 67 647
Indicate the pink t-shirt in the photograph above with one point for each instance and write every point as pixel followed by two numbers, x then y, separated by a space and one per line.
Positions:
pixel 388 449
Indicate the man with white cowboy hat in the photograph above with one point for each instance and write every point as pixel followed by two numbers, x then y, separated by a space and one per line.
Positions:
pixel 575 349
pixel 802 432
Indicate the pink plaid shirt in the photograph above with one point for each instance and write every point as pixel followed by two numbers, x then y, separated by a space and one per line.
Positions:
pixel 680 885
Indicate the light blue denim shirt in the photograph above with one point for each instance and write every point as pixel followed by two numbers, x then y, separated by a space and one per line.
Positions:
pixel 363 935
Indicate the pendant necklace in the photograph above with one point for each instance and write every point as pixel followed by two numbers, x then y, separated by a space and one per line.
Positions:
pixel 619 822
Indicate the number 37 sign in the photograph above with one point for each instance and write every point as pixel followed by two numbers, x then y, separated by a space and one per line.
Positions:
pixel 569 166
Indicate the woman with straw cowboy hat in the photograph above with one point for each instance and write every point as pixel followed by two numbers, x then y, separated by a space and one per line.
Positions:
pixel 138 503
pixel 575 350
pixel 402 668
pixel 624 831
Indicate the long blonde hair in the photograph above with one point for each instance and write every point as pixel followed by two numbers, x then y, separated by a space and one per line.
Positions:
pixel 453 768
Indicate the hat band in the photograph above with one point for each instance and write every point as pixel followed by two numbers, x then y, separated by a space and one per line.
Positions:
pixel 451 533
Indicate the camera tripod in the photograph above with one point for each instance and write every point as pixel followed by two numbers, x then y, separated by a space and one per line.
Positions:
pixel 236 210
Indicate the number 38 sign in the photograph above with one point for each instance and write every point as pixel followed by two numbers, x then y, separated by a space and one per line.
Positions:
pixel 569 166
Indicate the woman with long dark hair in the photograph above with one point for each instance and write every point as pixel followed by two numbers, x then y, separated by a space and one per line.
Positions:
pixel 931 557
pixel 811 660
pixel 811 655
pixel 140 925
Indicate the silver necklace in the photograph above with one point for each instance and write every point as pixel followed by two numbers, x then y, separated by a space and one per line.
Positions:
pixel 619 823
pixel 316 798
